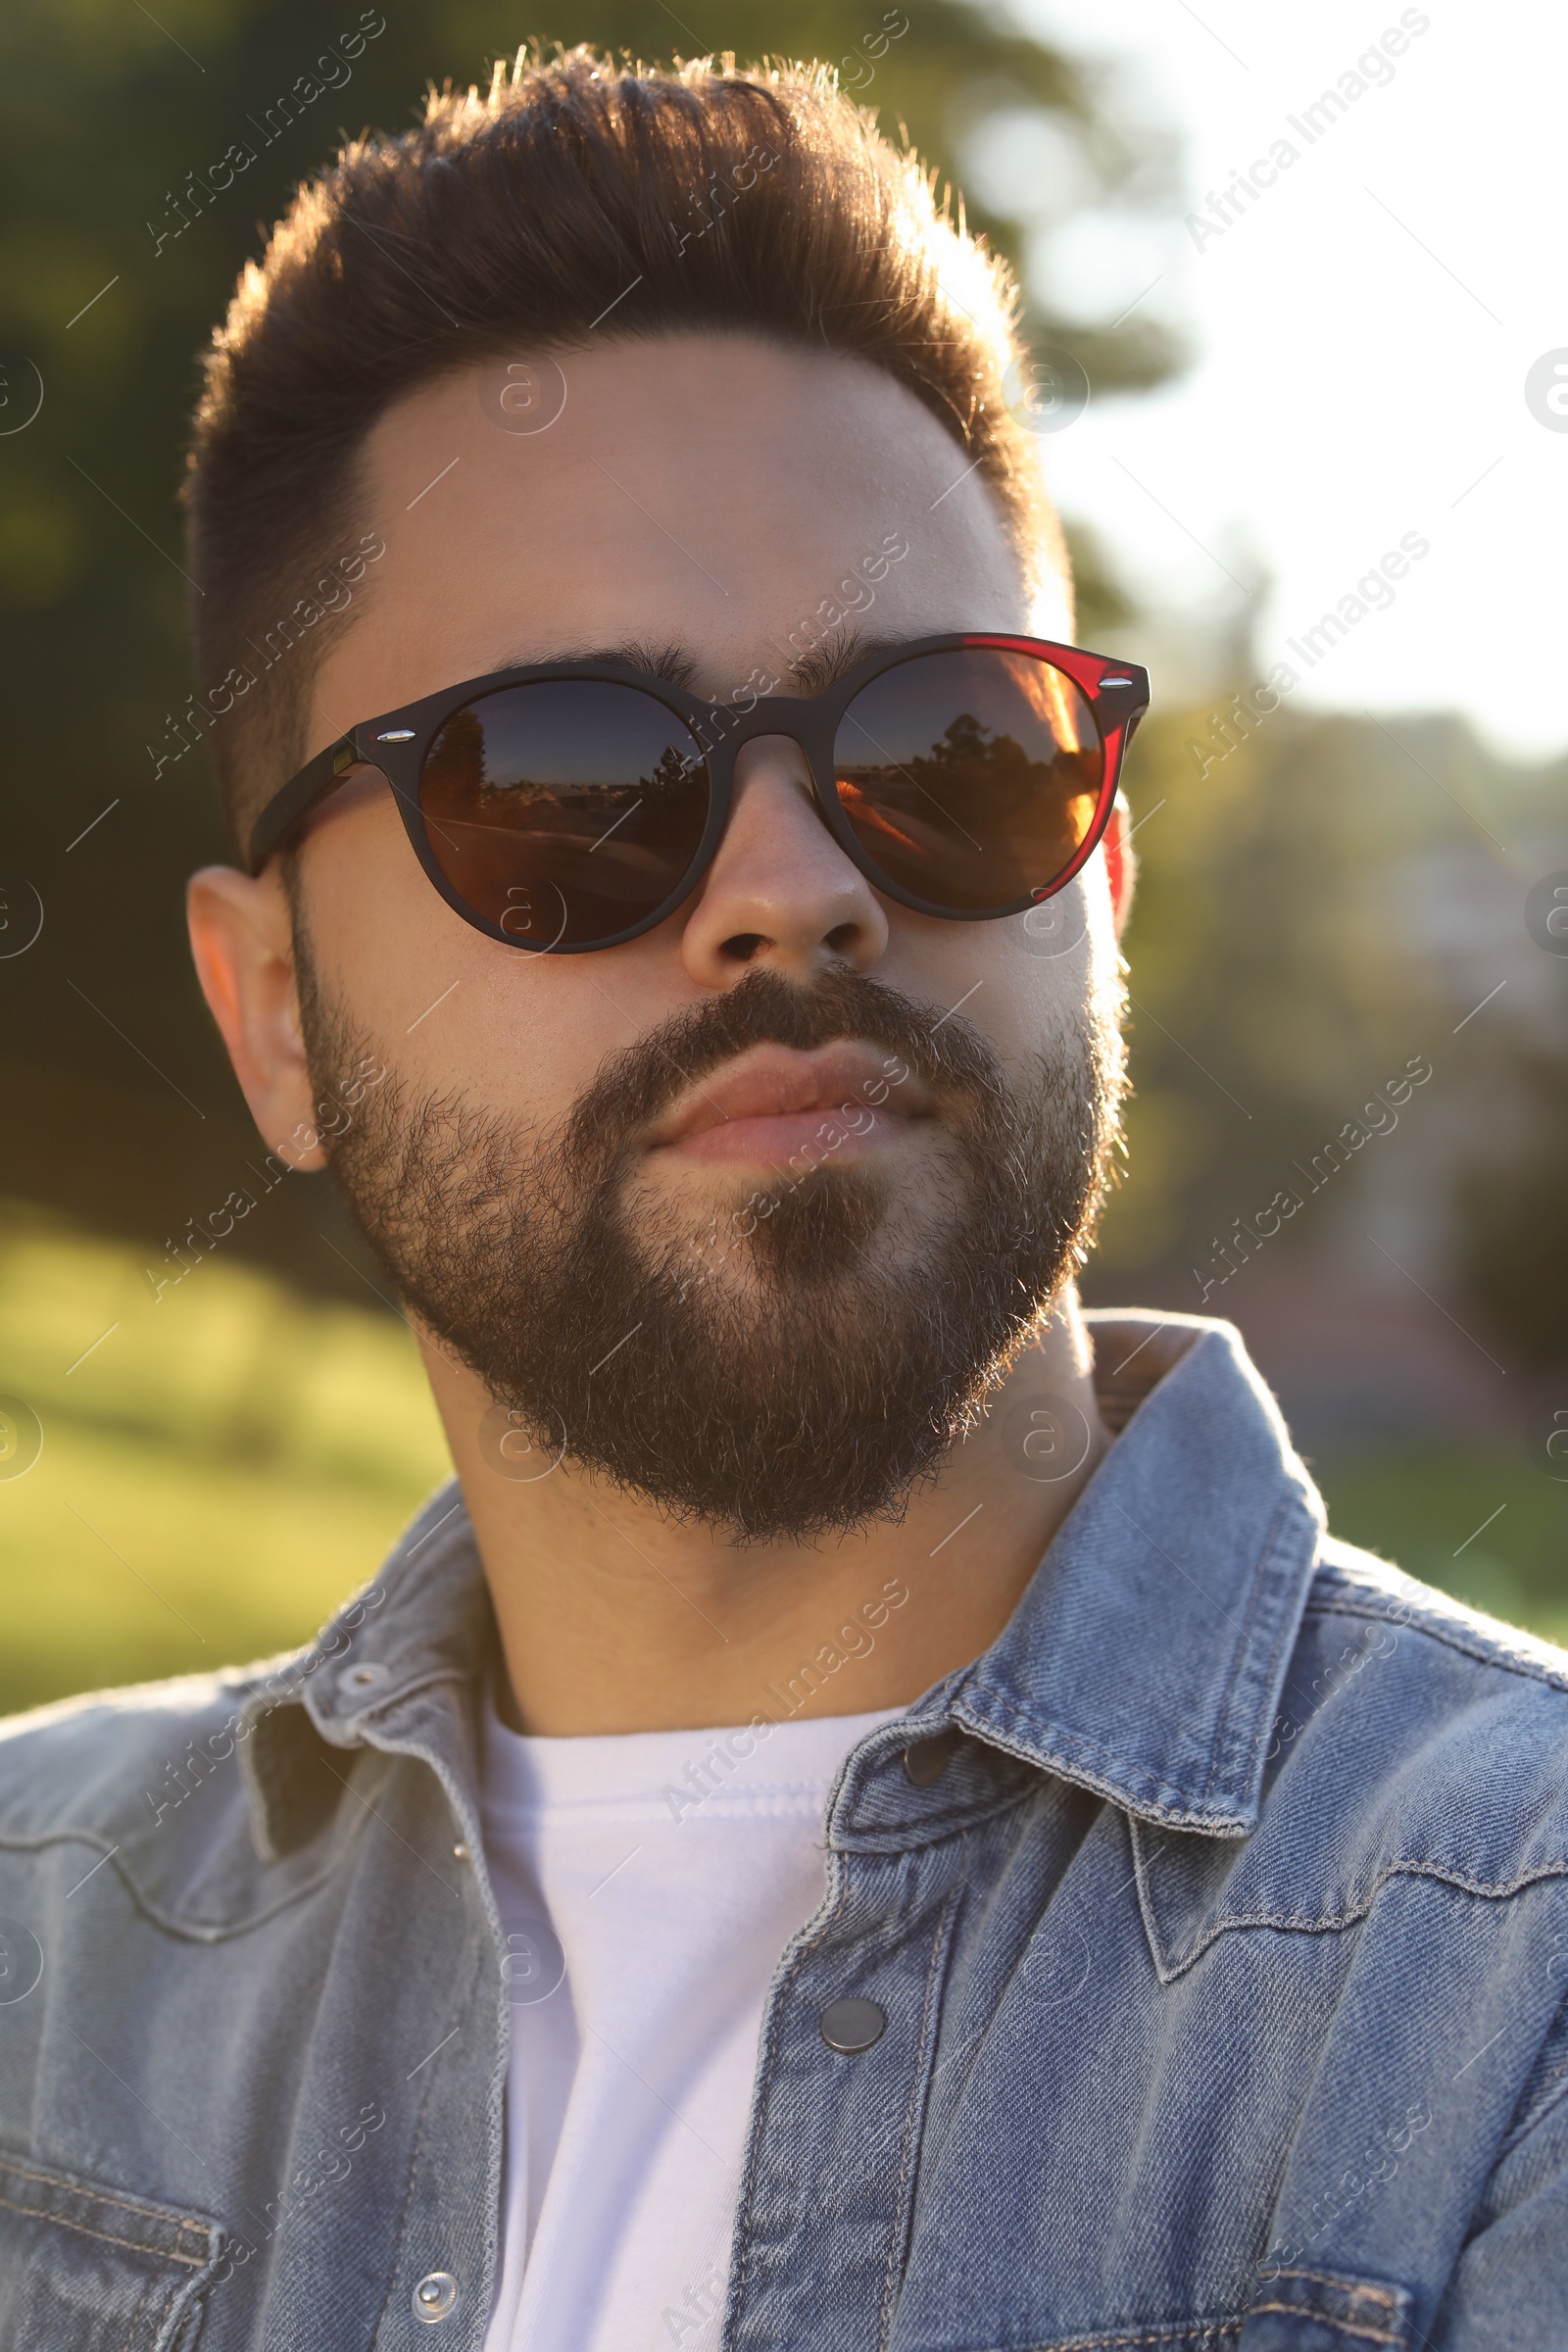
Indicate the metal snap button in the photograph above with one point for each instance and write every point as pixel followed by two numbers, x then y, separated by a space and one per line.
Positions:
pixel 852 2026
pixel 356 1683
pixel 436 2298
pixel 926 1760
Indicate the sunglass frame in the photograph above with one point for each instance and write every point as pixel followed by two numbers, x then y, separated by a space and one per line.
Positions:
pixel 1117 691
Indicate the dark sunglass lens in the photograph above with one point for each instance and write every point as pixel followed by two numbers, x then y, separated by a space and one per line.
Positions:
pixel 970 778
pixel 567 811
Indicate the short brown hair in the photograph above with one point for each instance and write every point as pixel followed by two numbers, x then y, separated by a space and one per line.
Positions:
pixel 522 216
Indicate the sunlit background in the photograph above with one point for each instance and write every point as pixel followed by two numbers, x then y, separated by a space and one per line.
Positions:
pixel 1348 984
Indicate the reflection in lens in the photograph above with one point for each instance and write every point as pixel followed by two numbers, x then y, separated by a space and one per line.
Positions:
pixel 567 811
pixel 970 778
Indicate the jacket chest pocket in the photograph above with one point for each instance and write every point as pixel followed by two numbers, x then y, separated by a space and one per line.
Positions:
pixel 85 2269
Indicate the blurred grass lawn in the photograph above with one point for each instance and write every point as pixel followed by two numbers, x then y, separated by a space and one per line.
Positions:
pixel 226 1463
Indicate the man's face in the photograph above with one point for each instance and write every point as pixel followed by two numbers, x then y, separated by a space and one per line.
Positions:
pixel 749 1211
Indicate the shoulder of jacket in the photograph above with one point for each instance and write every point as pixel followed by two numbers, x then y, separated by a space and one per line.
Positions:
pixel 1353 1583
pixel 67 1767
pixel 1413 1738
pixel 1431 1734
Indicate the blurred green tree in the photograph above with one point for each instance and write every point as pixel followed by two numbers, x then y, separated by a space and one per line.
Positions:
pixel 1307 883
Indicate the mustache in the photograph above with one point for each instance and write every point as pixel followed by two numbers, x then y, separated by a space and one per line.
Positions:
pixel 635 1085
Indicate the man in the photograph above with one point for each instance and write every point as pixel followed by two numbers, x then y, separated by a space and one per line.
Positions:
pixel 871 1814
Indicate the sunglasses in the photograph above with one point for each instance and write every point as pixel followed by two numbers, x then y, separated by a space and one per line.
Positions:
pixel 575 805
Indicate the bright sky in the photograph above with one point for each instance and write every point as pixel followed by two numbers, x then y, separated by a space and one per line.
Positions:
pixel 1364 332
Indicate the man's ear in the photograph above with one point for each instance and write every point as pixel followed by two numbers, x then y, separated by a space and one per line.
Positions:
pixel 242 939
pixel 1121 863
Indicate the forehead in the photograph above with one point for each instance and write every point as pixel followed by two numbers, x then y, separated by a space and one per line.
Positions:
pixel 710 490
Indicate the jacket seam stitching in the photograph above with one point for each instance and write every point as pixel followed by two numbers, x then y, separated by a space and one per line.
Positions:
pixel 1271 1545
pixel 101 2196
pixel 464 2010
pixel 766 2061
pixel 418 2154
pixel 915 2104
pixel 1371 2335
pixel 1399 1612
pixel 64 2220
pixel 1238 1650
pixel 1171 1968
pixel 1360 2286
pixel 1115 1791
pixel 1213 2332
pixel 200 1932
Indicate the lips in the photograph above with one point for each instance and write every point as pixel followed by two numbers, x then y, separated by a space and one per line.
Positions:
pixel 773 1101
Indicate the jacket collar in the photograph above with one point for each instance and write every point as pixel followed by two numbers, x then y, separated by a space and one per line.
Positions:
pixel 1145 1661
pixel 1146 1657
pixel 423 1626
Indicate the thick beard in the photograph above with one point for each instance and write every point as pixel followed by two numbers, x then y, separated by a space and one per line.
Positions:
pixel 804 1385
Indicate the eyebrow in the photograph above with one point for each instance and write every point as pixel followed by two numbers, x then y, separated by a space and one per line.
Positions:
pixel 822 666
pixel 812 671
pixel 669 662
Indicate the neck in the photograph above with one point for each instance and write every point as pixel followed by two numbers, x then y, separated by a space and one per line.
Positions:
pixel 612 1618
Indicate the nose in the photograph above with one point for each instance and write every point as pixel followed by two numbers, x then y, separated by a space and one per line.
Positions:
pixel 780 892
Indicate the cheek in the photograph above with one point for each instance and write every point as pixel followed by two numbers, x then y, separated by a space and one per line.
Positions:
pixel 1064 950
pixel 1100 982
pixel 1016 990
pixel 376 925
pixel 1051 972
pixel 450 1011
pixel 522 1036
pixel 1100 913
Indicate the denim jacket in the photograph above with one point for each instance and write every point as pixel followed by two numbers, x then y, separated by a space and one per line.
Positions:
pixel 1223 1964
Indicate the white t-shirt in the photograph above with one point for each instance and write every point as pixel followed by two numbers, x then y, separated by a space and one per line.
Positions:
pixel 648 1883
